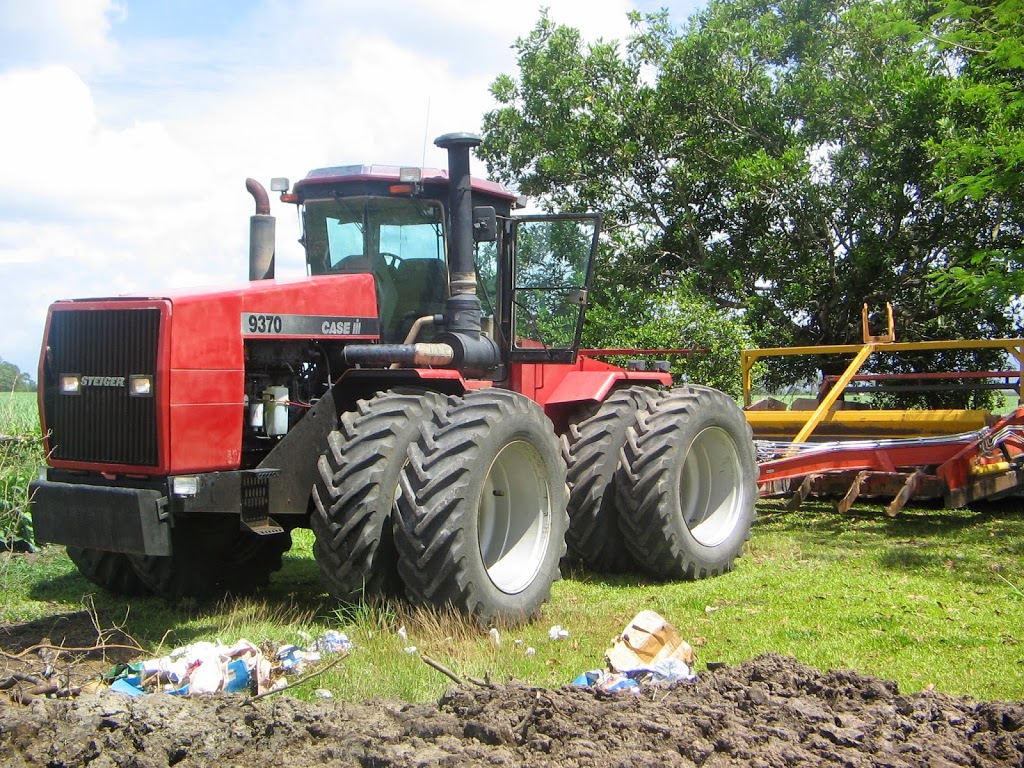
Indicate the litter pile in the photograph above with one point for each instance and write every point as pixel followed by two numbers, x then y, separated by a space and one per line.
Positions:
pixel 206 667
pixel 648 651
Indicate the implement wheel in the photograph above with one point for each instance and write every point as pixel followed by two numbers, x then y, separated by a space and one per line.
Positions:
pixel 211 556
pixel 482 523
pixel 688 484
pixel 592 450
pixel 111 570
pixel 355 491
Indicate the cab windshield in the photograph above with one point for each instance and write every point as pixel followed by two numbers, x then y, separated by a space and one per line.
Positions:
pixel 400 241
pixel 396 229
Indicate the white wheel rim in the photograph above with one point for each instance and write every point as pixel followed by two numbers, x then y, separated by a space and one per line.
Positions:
pixel 514 518
pixel 710 487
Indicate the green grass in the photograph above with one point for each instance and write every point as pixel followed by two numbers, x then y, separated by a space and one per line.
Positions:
pixel 21 455
pixel 929 597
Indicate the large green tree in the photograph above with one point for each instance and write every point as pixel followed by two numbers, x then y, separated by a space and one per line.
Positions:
pixel 777 156
pixel 979 150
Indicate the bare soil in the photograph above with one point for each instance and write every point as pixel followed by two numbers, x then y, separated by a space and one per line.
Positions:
pixel 769 711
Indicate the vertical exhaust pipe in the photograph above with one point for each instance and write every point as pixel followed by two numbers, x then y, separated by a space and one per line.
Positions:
pixel 474 352
pixel 262 234
pixel 460 205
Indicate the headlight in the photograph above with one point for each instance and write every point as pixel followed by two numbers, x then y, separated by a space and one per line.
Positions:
pixel 140 385
pixel 186 485
pixel 70 384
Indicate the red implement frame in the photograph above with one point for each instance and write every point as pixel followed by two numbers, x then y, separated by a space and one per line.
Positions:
pixel 958 468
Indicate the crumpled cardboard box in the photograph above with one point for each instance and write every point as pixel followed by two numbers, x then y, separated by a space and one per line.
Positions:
pixel 647 639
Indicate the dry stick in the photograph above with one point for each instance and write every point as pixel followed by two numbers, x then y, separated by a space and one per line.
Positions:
pixel 442 669
pixel 101 634
pixel 40 646
pixel 448 673
pixel 529 715
pixel 301 680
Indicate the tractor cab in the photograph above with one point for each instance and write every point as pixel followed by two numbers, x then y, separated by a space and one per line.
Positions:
pixel 531 273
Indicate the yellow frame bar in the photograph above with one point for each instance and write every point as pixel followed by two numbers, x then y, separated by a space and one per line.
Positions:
pixel 748 357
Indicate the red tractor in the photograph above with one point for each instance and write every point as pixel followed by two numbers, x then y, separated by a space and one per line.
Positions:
pixel 418 400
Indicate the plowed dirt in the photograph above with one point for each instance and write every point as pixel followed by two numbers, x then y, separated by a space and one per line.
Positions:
pixel 770 711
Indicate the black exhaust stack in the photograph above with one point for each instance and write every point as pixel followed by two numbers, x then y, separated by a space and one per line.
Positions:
pixel 474 352
pixel 261 234
pixel 462 345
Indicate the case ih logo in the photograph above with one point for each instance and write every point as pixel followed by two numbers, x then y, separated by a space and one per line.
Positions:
pixel 103 381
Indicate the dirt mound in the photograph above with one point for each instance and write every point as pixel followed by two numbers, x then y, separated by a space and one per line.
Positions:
pixel 771 711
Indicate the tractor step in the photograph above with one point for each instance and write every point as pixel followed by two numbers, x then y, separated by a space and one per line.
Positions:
pixel 266 526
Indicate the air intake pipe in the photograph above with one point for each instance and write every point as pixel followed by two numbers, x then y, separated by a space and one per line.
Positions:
pixel 262 234
pixel 473 352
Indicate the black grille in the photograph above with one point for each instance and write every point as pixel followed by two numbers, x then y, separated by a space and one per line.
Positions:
pixel 103 424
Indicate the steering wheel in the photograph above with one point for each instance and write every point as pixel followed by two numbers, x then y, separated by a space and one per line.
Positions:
pixel 391 259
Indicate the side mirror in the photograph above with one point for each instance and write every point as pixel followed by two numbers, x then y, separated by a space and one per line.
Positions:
pixel 485 224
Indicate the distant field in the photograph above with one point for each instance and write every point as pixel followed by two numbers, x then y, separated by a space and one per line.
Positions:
pixel 19 413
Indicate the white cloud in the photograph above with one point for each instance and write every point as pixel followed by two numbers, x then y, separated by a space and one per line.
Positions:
pixel 57 31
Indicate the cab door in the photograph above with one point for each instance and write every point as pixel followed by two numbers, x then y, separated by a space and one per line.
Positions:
pixel 551 260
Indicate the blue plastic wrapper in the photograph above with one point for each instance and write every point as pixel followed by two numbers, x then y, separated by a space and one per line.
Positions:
pixel 590 678
pixel 238 678
pixel 618 682
pixel 123 686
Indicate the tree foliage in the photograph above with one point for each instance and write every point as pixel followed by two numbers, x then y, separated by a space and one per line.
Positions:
pixel 683 319
pixel 979 150
pixel 13 380
pixel 777 156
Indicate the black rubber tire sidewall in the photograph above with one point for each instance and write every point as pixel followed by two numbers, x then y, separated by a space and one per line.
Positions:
pixel 111 570
pixel 212 556
pixel 436 532
pixel 651 518
pixel 354 494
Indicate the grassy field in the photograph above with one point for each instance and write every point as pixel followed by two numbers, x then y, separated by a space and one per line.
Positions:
pixel 932 597
pixel 21 454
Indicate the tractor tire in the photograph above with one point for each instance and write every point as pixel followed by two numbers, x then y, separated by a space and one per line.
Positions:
pixel 483 516
pixel 111 570
pixel 688 484
pixel 355 491
pixel 592 449
pixel 211 556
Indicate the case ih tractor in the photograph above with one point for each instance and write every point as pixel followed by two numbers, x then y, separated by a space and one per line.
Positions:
pixel 418 400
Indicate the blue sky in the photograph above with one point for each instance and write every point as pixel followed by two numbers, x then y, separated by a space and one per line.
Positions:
pixel 129 127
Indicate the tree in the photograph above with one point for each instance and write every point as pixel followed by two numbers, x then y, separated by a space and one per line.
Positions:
pixel 681 319
pixel 13 380
pixel 773 155
pixel 979 152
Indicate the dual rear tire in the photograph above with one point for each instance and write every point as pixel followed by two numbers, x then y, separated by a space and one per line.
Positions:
pixel 687 485
pixel 663 482
pixel 459 502
pixel 483 516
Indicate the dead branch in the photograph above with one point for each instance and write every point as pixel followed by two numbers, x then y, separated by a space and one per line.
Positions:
pixel 442 669
pixel 451 675
pixel 68 649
